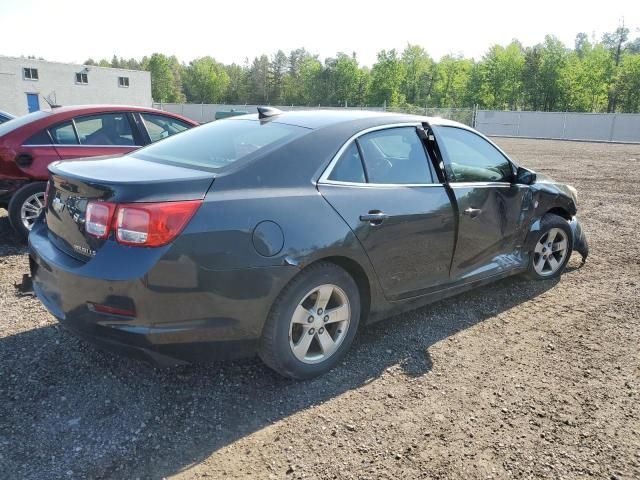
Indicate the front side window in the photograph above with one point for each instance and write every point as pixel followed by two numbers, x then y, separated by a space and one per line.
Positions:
pixel 218 144
pixel 161 126
pixel 395 156
pixel 105 129
pixel 82 78
pixel 64 134
pixel 472 158
pixel 30 73
pixel 123 82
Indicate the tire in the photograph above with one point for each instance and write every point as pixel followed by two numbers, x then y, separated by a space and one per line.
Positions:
pixel 288 327
pixel 554 230
pixel 18 200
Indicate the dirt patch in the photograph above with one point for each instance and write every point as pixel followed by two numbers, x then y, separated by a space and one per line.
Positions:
pixel 522 379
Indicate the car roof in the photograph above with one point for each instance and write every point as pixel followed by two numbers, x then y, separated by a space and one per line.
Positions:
pixel 104 108
pixel 316 119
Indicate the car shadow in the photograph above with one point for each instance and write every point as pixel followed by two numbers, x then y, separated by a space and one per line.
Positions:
pixel 76 409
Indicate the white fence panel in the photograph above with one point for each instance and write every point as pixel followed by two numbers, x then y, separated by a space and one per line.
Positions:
pixel 598 127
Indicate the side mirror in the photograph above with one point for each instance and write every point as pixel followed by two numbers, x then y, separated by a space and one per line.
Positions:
pixel 524 176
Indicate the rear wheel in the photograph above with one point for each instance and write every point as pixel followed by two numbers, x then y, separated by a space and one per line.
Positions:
pixel 25 207
pixel 312 323
pixel 552 249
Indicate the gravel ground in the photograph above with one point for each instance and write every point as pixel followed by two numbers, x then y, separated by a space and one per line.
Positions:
pixel 518 379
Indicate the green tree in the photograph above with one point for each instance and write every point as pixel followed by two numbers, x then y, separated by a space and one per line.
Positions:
pixel 585 79
pixel 164 87
pixel 628 84
pixel 553 57
pixel 276 79
pixel 453 75
pixel 387 77
pixel 419 75
pixel 237 90
pixel 205 81
pixel 258 80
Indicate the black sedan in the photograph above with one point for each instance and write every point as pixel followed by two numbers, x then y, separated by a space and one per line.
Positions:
pixel 281 233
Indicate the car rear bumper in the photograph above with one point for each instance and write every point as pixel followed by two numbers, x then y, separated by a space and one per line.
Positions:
pixel 181 312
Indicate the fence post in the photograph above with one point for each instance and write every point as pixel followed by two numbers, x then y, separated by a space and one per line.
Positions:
pixel 564 125
pixel 613 125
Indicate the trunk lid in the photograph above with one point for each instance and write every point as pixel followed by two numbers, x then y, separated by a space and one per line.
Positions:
pixel 119 180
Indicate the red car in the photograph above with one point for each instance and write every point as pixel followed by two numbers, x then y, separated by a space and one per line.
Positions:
pixel 29 144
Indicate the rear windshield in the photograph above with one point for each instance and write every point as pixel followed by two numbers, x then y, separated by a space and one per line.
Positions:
pixel 17 122
pixel 218 144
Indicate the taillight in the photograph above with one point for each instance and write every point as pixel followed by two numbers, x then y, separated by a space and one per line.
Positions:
pixel 153 224
pixel 98 218
pixel 140 224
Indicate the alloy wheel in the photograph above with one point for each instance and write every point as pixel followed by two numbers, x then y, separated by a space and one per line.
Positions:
pixel 31 208
pixel 319 323
pixel 550 252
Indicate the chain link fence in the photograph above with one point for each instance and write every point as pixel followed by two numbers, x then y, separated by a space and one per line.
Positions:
pixel 207 112
pixel 599 127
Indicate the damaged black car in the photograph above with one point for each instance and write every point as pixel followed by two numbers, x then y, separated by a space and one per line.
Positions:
pixel 280 233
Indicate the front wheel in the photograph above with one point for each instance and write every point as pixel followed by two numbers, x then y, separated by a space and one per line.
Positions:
pixel 25 207
pixel 552 249
pixel 312 323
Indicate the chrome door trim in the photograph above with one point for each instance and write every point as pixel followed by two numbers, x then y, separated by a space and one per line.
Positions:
pixel 82 146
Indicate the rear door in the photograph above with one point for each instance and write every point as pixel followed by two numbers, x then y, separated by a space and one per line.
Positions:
pixel 489 204
pixel 95 135
pixel 384 187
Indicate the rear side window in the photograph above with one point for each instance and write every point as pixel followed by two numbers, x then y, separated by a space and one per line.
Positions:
pixel 349 167
pixel 161 126
pixel 40 138
pixel 105 129
pixel 64 134
pixel 218 144
pixel 395 156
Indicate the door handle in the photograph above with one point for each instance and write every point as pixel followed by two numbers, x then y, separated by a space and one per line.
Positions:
pixel 374 217
pixel 473 212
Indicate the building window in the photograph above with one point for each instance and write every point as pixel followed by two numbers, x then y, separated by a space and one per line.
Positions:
pixel 82 78
pixel 30 73
pixel 123 82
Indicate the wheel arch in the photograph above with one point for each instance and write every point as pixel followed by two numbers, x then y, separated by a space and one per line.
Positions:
pixel 359 275
pixel 560 211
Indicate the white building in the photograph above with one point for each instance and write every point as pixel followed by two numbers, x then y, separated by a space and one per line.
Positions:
pixel 26 83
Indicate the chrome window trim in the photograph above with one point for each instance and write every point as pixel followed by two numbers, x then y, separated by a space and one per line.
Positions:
pixel 82 146
pixel 338 183
pixel 479 184
pixel 324 178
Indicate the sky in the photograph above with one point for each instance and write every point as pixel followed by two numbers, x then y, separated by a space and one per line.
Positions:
pixel 231 31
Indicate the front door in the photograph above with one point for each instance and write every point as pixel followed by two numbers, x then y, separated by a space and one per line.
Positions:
pixel 490 205
pixel 384 188
pixel 33 103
